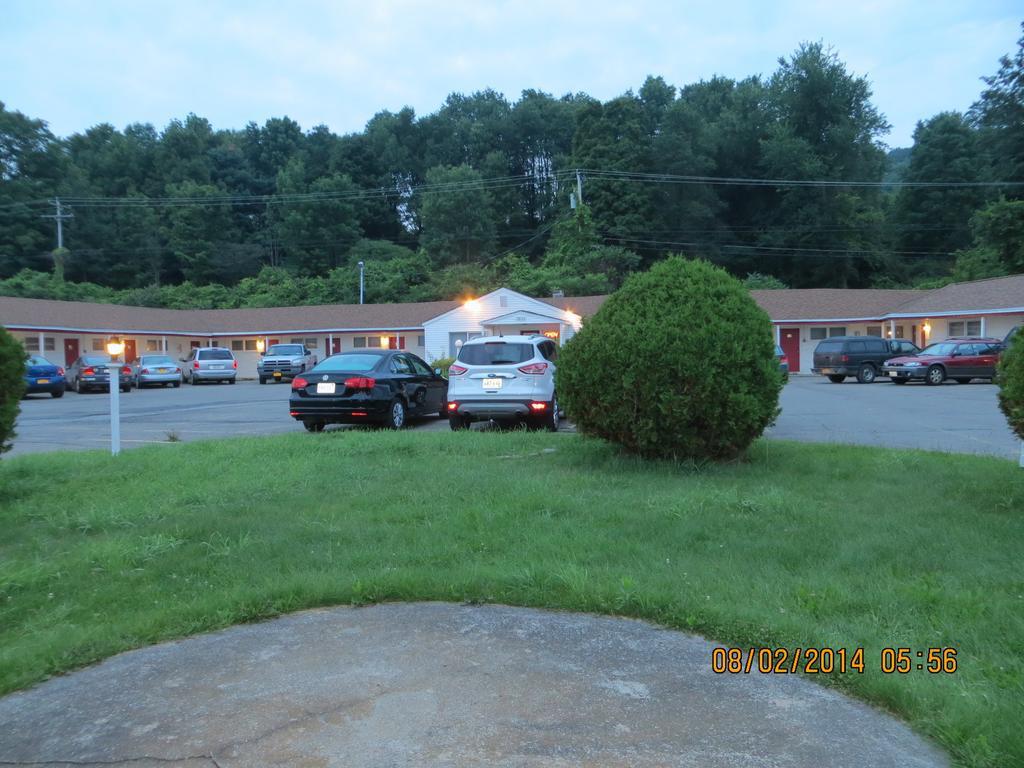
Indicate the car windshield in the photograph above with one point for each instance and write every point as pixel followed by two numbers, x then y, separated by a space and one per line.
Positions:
pixel 495 353
pixel 214 354
pixel 95 359
pixel 942 348
pixel 348 363
pixel 287 349
pixel 156 360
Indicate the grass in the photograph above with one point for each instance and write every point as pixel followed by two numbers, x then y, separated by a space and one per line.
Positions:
pixel 802 545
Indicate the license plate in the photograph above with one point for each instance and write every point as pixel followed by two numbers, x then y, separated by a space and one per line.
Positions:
pixel 216 367
pixel 163 370
pixel 894 374
pixel 492 383
pixel 42 381
pixel 277 374
pixel 325 388
pixel 826 371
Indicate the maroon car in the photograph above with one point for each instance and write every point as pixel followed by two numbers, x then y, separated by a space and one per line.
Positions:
pixel 959 359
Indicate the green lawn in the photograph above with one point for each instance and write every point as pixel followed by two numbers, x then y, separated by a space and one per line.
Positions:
pixel 803 545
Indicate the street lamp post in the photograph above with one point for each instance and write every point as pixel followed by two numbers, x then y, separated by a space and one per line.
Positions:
pixel 362 268
pixel 114 348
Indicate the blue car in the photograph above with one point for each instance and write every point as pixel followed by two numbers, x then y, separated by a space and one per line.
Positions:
pixel 43 376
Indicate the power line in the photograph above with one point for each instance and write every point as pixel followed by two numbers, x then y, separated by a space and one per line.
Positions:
pixel 668 178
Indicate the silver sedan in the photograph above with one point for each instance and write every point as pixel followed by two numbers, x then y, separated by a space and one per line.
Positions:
pixel 155 369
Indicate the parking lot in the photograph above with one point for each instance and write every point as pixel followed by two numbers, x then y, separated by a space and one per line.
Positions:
pixel 951 417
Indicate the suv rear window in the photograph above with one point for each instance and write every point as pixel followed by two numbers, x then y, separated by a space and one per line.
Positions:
pixel 830 346
pixel 495 353
pixel 214 354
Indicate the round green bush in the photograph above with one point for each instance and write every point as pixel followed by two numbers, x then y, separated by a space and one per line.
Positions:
pixel 679 363
pixel 1011 385
pixel 12 385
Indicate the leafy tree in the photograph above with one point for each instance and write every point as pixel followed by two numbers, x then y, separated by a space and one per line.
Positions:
pixel 194 232
pixel 1000 114
pixel 998 242
pixel 12 386
pixel 1011 385
pixel 757 281
pixel 455 216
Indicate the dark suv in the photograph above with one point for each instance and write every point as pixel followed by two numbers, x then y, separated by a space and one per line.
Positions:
pixel 860 356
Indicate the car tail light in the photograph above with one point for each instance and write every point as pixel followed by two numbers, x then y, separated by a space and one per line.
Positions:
pixel 293 413
pixel 453 406
pixel 60 371
pixel 144 370
pixel 533 369
pixel 177 370
pixel 784 360
pixel 126 369
pixel 538 406
pixel 456 370
pixel 359 413
pixel 360 382
pixel 234 365
pixel 844 359
pixel 88 371
pixel 195 365
pixel 299 383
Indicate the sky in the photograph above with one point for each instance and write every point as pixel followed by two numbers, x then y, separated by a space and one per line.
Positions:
pixel 77 64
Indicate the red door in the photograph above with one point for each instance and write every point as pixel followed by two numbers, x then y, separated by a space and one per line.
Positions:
pixel 335 346
pixel 129 350
pixel 789 340
pixel 70 351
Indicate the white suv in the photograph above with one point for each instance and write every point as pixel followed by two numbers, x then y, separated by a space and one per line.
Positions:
pixel 505 378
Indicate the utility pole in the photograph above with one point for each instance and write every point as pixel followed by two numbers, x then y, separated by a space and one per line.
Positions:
pixel 579 187
pixel 59 216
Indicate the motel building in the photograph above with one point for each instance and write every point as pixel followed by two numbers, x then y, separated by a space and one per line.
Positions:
pixel 63 330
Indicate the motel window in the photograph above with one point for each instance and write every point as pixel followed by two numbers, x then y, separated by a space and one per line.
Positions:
pixel 98 345
pixel 236 345
pixel 359 342
pixel 421 341
pixel 965 328
pixel 899 332
pixel 373 341
pixel 819 333
pixel 250 345
pixel 294 341
pixel 153 345
pixel 32 343
pixel 837 331
pixel 875 330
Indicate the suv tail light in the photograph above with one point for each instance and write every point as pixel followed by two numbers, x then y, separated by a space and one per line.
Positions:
pixel 533 369
pixel 144 370
pixel 360 382
pixel 299 383
pixel 195 365
pixel 844 359
pixel 456 370
pixel 234 364
pixel 538 406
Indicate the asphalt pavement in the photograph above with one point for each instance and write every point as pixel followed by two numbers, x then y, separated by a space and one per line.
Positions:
pixel 435 684
pixel 962 418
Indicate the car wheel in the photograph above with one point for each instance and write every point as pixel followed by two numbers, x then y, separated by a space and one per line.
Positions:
pixel 231 381
pixel 936 375
pixel 57 393
pixel 312 425
pixel 395 418
pixel 837 379
pixel 263 379
pixel 176 384
pixel 75 387
pixel 962 380
pixel 866 374
pixel 458 423
pixel 899 380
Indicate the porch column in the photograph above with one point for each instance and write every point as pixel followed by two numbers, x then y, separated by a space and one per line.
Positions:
pixel 163 343
pixel 982 325
pixel 330 344
pixel 42 345
pixel 892 329
pixel 778 335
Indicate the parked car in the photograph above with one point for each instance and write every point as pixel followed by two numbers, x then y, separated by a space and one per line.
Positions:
pixel 210 364
pixel 368 386
pixel 43 376
pixel 155 369
pixel 284 361
pixel 91 372
pixel 860 356
pixel 505 378
pixel 959 359
pixel 783 361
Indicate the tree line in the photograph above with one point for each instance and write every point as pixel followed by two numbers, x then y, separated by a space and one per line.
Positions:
pixel 784 176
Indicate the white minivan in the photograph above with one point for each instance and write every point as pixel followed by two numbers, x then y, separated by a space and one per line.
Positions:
pixel 504 378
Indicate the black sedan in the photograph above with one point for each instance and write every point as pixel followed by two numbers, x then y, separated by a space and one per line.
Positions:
pixel 369 386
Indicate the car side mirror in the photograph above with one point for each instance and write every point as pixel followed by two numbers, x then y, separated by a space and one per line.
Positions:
pixel 437 372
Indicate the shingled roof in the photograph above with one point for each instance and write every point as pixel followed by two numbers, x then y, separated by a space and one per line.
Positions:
pixel 794 304
pixel 996 293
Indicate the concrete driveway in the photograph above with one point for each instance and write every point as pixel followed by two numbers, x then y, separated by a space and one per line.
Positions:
pixel 444 685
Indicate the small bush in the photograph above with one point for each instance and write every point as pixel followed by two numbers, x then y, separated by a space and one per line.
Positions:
pixel 679 363
pixel 12 385
pixel 1011 385
pixel 444 363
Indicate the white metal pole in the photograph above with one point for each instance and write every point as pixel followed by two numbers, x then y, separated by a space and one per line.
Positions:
pixel 362 267
pixel 1022 454
pixel 114 376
